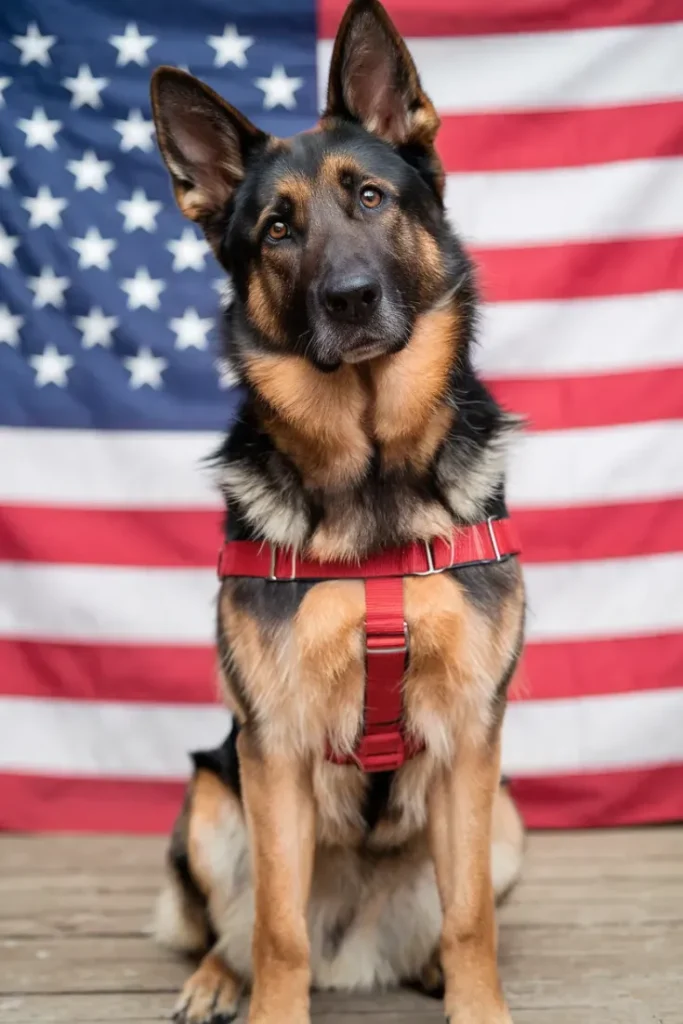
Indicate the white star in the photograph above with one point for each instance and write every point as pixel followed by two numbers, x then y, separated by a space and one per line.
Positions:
pixel 227 374
pixel 132 46
pixel 190 329
pixel 145 368
pixel 4 82
pixel 48 289
pixel 39 130
pixel 189 251
pixel 8 244
pixel 142 290
pixel 230 47
pixel 6 165
pixel 96 328
pixel 135 132
pixel 51 367
pixel 44 208
pixel 85 90
pixel 139 211
pixel 279 89
pixel 33 46
pixel 93 250
pixel 10 325
pixel 90 172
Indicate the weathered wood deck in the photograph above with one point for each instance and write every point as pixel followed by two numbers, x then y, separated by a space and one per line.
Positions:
pixel 594 935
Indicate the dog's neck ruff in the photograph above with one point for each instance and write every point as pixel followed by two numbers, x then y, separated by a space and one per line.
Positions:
pixel 384 744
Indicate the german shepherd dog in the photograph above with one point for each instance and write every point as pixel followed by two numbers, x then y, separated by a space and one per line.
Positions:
pixel 363 427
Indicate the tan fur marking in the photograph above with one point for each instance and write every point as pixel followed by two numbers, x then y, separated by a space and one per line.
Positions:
pixel 262 305
pixel 335 165
pixel 212 989
pixel 409 387
pixel 208 797
pixel 321 416
pixel 280 815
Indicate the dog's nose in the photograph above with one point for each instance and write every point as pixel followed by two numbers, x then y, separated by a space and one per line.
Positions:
pixel 352 299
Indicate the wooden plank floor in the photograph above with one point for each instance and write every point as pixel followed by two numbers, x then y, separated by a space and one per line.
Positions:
pixel 593 935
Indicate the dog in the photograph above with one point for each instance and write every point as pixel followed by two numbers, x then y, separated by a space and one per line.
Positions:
pixel 363 429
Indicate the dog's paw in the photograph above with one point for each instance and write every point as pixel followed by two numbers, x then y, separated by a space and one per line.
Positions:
pixel 210 996
pixel 430 981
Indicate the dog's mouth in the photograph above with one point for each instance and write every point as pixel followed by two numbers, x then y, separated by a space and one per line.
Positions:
pixel 368 350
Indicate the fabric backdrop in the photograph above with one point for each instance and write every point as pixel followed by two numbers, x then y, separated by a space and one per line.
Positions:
pixel 563 141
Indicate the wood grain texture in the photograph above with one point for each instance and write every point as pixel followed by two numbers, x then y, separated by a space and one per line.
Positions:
pixel 593 935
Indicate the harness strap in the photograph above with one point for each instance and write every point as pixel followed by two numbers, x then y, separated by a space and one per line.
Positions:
pixel 384 744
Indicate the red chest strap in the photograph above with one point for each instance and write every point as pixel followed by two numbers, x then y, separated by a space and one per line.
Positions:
pixel 384 745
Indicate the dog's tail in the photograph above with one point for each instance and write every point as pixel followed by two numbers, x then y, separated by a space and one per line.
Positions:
pixel 508 839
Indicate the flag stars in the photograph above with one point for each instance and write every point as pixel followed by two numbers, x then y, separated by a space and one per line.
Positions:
pixel 139 211
pixel 8 244
pixel 44 208
pixel 34 47
pixel 10 325
pixel 279 89
pixel 90 172
pixel 96 328
pixel 190 329
pixel 230 47
pixel 51 367
pixel 145 369
pixel 135 132
pixel 189 251
pixel 93 250
pixel 39 129
pixel 48 289
pixel 131 46
pixel 4 83
pixel 142 290
pixel 85 89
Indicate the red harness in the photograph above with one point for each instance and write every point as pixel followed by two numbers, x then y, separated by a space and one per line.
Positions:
pixel 384 744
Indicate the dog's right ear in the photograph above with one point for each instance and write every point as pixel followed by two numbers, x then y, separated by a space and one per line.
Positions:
pixel 204 141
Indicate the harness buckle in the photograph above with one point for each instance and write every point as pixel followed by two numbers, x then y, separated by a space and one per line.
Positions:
pixel 492 535
pixel 383 643
pixel 273 566
pixel 430 570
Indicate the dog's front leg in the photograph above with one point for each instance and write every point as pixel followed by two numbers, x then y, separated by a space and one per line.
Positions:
pixel 460 813
pixel 281 821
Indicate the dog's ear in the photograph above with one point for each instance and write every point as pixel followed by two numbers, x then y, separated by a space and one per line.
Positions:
pixel 373 79
pixel 204 141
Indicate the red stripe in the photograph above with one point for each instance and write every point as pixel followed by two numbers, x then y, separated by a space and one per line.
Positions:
pixel 158 675
pixel 560 138
pixel 599 400
pixel 581 269
pixel 136 673
pixel 599 668
pixel 37 803
pixel 48 804
pixel 109 536
pixel 600 531
pixel 548 535
pixel 484 17
pixel 643 796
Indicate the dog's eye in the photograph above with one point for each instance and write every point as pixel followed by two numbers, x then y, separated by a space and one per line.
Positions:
pixel 370 197
pixel 278 230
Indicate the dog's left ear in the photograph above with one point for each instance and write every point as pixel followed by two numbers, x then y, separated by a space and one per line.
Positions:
pixel 373 80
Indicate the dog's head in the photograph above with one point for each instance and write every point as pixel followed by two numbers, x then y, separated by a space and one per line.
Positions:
pixel 336 238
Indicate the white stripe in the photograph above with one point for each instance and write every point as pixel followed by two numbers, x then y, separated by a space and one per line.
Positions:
pixel 151 741
pixel 586 67
pixel 629 332
pixel 615 200
pixel 558 468
pixel 616 597
pixel 155 469
pixel 593 733
pixel 605 598
pixel 64 737
pixel 548 469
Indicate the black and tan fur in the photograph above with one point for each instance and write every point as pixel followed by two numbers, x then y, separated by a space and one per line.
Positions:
pixel 363 426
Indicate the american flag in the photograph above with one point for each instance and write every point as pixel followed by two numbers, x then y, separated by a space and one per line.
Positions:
pixel 563 141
